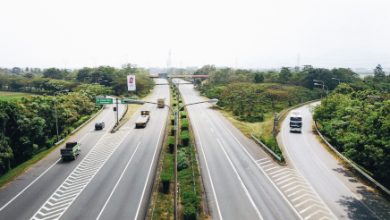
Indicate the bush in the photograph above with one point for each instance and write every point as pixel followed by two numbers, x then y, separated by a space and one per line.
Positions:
pixel 189 212
pixel 182 161
pixel 184 124
pixel 185 138
pixel 172 120
pixel 171 144
pixel 183 114
pixel 167 173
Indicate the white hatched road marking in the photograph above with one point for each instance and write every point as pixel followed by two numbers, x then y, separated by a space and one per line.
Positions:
pixel 298 192
pixel 80 177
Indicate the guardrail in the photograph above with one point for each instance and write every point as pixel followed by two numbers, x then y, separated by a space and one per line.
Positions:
pixel 280 159
pixel 117 126
pixel 354 165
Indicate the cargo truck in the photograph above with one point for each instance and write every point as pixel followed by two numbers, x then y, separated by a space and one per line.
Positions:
pixel 160 103
pixel 143 119
pixel 296 122
pixel 70 151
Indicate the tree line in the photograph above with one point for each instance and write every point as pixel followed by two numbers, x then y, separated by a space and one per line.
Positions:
pixel 357 122
pixel 28 126
pixel 53 80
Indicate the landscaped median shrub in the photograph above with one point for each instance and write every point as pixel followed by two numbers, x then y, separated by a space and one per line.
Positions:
pixel 171 144
pixel 182 160
pixel 183 114
pixel 185 138
pixel 184 124
pixel 167 173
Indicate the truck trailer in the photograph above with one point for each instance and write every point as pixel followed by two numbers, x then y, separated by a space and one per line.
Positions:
pixel 160 103
pixel 143 119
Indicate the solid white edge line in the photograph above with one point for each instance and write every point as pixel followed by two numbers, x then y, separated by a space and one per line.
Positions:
pixel 117 183
pixel 42 174
pixel 265 174
pixel 208 173
pixel 29 185
pixel 239 178
pixel 150 169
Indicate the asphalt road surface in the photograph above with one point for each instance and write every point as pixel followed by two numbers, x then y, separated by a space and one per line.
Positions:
pixel 111 179
pixel 236 187
pixel 345 195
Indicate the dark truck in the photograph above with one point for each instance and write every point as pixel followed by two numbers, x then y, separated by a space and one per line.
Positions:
pixel 70 151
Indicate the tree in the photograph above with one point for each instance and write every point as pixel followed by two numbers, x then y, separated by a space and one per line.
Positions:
pixel 53 73
pixel 6 154
pixel 379 74
pixel 284 75
pixel 259 77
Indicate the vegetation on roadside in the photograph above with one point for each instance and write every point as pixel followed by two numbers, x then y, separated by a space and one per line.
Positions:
pixel 13 96
pixel 190 194
pixel 250 98
pixel 28 122
pixel 357 122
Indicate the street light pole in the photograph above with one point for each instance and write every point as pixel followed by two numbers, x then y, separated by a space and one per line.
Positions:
pixel 56 116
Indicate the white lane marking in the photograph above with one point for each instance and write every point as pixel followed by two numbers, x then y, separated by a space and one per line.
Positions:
pixel 259 160
pixel 298 171
pixel 36 179
pixel 150 169
pixel 117 182
pixel 208 173
pixel 28 186
pixel 103 144
pixel 265 174
pixel 265 162
pixel 239 178
pixel 272 168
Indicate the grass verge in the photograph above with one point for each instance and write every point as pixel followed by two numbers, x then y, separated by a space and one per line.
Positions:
pixel 262 130
pixel 12 96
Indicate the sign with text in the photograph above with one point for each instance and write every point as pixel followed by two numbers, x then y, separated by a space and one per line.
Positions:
pixel 131 83
pixel 103 101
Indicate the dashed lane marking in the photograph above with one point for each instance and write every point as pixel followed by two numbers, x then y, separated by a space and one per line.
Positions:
pixel 80 177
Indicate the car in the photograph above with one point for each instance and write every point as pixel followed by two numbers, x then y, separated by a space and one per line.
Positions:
pixel 99 125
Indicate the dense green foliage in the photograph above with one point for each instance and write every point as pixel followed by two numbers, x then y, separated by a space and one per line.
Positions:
pixel 357 122
pixel 54 80
pixel 28 126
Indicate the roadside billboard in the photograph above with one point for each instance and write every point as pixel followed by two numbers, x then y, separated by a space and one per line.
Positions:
pixel 131 83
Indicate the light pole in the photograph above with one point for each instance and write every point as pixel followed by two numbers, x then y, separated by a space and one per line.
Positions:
pixel 338 80
pixel 322 84
pixel 176 126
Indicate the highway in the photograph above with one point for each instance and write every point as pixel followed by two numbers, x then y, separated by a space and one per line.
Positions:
pixel 236 186
pixel 345 195
pixel 111 179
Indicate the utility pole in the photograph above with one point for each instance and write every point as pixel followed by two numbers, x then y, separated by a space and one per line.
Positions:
pixel 117 112
pixel 55 114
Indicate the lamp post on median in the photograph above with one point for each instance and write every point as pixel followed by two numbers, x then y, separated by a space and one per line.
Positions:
pixel 176 126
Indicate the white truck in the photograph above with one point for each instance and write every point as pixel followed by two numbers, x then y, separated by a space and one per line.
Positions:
pixel 296 122
pixel 143 119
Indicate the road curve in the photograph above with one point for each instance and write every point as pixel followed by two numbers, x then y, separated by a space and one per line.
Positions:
pixel 346 196
pixel 236 187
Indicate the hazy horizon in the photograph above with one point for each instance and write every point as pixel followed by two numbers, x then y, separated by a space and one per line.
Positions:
pixel 240 34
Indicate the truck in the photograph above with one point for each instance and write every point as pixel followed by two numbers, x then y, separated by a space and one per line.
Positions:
pixel 143 119
pixel 70 151
pixel 296 122
pixel 160 103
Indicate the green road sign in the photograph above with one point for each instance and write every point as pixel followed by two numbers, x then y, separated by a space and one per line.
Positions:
pixel 102 101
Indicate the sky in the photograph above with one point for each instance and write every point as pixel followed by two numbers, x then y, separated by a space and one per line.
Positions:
pixel 186 33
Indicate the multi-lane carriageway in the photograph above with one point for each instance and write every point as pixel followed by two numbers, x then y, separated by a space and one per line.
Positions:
pixel 112 178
